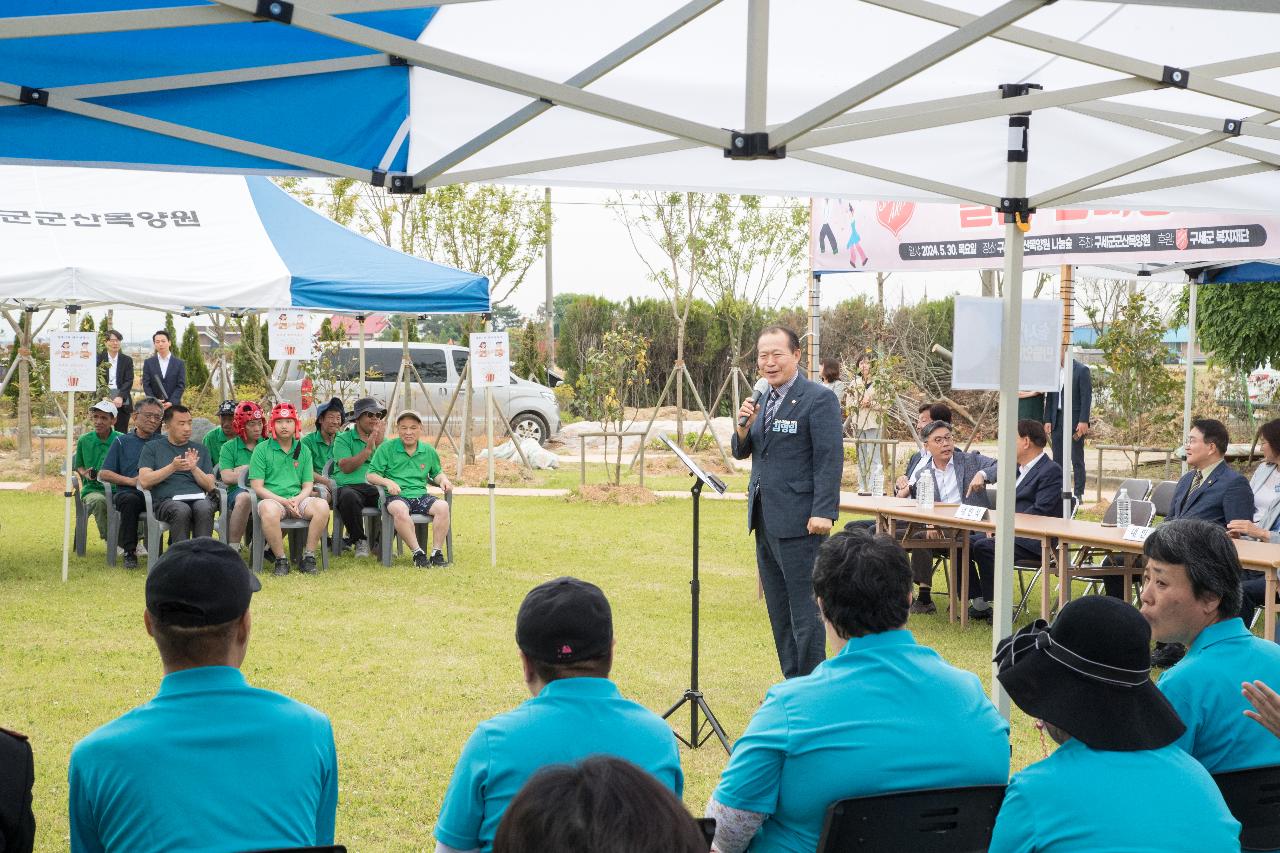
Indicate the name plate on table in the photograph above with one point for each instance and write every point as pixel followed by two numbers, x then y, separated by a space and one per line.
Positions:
pixel 971 513
pixel 1137 533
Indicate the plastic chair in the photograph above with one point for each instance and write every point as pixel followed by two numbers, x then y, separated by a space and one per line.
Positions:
pixel 1253 796
pixel 1137 488
pixel 155 532
pixel 223 525
pixel 332 848
pixel 942 820
pixel 82 518
pixel 1162 496
pixel 420 522
pixel 294 529
pixel 113 525
pixel 370 514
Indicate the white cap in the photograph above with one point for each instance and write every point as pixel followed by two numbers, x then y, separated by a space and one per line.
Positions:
pixel 104 405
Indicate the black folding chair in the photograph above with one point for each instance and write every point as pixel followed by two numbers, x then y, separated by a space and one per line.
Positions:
pixel 1162 496
pixel 331 848
pixel 942 820
pixel 1253 796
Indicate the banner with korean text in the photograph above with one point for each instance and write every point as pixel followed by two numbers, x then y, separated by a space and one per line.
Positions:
pixel 890 236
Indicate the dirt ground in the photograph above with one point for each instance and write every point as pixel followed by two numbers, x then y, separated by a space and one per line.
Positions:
pixel 610 494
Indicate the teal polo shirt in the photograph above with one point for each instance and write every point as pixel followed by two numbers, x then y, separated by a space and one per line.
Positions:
pixel 884 714
pixel 1146 801
pixel 571 719
pixel 1204 688
pixel 210 764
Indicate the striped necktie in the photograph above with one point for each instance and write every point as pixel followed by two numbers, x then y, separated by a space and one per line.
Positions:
pixel 1196 479
pixel 771 408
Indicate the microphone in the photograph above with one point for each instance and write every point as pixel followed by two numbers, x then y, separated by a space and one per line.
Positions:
pixel 762 388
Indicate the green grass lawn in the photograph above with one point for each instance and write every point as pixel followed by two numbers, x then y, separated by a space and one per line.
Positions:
pixel 405 661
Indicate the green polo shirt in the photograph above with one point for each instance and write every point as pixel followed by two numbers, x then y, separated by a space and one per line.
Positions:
pixel 281 472
pixel 321 453
pixel 214 439
pixel 410 473
pixel 345 445
pixel 233 453
pixel 90 451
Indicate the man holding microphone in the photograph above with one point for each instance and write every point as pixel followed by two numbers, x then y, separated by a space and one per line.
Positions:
pixel 791 429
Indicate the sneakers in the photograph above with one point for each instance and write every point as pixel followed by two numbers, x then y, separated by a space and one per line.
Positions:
pixel 987 614
pixel 1167 654
pixel 923 608
pixel 362 548
pixel 308 564
pixel 437 558
pixel 130 560
pixel 282 567
pixel 420 559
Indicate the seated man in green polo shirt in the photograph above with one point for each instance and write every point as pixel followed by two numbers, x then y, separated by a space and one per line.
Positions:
pixel 280 474
pixel 215 438
pixel 404 466
pixel 352 450
pixel 329 418
pixel 91 449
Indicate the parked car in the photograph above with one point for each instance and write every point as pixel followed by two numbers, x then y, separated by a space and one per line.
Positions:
pixel 531 407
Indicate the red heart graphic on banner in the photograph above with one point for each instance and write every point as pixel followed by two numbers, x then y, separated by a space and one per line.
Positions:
pixel 895 215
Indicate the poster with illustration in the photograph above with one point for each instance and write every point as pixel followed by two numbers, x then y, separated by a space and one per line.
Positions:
pixel 72 365
pixel 289 334
pixel 490 359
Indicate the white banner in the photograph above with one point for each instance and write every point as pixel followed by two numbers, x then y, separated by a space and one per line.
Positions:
pixel 72 362
pixel 878 236
pixel 975 362
pixel 490 359
pixel 289 335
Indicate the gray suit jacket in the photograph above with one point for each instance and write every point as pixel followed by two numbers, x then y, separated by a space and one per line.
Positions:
pixel 967 465
pixel 796 466
pixel 1269 517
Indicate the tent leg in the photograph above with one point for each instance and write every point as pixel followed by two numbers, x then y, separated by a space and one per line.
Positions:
pixel 1189 387
pixel 1010 359
pixel 360 338
pixel 68 507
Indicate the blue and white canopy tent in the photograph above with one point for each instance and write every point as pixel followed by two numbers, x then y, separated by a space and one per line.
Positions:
pixel 1163 104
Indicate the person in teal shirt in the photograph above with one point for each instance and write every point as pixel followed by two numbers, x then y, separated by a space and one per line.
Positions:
pixel 881 714
pixel 564 631
pixel 211 763
pixel 1191 594
pixel 1118 780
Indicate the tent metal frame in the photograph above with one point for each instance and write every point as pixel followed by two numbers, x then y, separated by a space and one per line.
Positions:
pixel 801 137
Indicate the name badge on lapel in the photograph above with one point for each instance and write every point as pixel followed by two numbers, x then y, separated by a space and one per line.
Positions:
pixel 780 425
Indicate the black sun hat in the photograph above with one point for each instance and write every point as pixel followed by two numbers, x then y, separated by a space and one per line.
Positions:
pixel 1090 675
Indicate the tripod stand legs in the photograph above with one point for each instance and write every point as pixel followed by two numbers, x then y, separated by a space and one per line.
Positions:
pixel 696 739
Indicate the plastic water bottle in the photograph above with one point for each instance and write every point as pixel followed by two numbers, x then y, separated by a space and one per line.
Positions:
pixel 1124 515
pixel 877 483
pixel 924 490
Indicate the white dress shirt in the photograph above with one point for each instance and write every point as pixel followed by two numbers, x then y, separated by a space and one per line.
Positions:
pixel 948 491
pixel 112 363
pixel 164 364
pixel 1023 469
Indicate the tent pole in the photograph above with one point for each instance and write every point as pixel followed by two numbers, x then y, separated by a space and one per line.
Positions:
pixel 1189 388
pixel 551 302
pixel 67 494
pixel 1010 360
pixel 815 324
pixel 1068 362
pixel 360 332
pixel 405 363
pixel 488 427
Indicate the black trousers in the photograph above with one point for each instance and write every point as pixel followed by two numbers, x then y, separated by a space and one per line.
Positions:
pixel 1077 457
pixel 786 573
pixel 186 519
pixel 350 500
pixel 131 505
pixel 122 420
pixel 982 567
pixel 1254 589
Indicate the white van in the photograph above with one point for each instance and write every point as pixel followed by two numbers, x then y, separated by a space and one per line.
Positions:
pixel 531 408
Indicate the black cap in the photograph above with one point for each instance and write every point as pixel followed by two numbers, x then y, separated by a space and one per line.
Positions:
pixel 325 408
pixel 563 621
pixel 367 405
pixel 199 582
pixel 226 408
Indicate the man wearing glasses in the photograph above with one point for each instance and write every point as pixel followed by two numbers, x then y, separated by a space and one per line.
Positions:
pixel 120 469
pixel 352 450
pixel 793 436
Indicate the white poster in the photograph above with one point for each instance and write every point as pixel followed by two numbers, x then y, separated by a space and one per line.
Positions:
pixel 490 359
pixel 979 321
pixel 290 335
pixel 72 362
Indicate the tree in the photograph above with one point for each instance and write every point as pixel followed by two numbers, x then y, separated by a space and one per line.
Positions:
pixel 86 323
pixel 245 361
pixel 586 319
pixel 677 226
pixel 530 353
pixel 496 231
pixel 169 329
pixel 1238 324
pixel 1143 398
pixel 193 356
pixel 612 381
pixel 752 255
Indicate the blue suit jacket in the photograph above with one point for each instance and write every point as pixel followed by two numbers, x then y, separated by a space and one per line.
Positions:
pixel 1081 398
pixel 1039 493
pixel 796 466
pixel 170 387
pixel 1224 496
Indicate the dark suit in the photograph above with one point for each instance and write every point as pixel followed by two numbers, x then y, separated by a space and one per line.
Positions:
pixel 795 476
pixel 168 388
pixel 1224 496
pixel 17 776
pixel 123 388
pixel 1081 404
pixel 967 466
pixel 1039 492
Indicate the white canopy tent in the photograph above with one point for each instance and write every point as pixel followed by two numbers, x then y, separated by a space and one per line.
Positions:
pixel 1163 103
